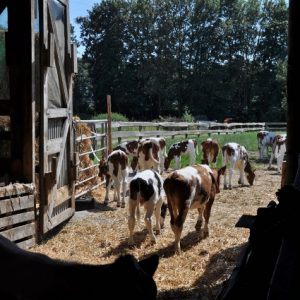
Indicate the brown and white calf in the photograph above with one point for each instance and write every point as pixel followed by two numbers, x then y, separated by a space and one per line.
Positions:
pixel 146 189
pixel 115 169
pixel 265 140
pixel 210 151
pixel 131 149
pixel 176 150
pixel 161 143
pixel 148 156
pixel 278 141
pixel 190 188
pixel 237 157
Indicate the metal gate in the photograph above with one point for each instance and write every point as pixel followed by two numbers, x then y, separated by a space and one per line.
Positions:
pixel 57 164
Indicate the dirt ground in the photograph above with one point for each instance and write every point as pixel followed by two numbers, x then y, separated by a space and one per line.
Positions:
pixel 100 235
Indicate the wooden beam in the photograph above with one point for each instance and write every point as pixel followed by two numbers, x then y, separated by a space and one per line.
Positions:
pixel 57 113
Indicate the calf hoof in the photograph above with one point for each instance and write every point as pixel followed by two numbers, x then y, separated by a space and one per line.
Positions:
pixel 105 201
pixel 225 187
pixel 178 251
pixel 153 240
pixel 130 242
pixel 118 204
pixel 122 205
pixel 204 234
pixel 230 187
pixel 157 231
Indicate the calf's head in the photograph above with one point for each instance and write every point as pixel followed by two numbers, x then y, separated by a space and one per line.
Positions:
pixel 167 163
pixel 103 169
pixel 250 175
pixel 216 177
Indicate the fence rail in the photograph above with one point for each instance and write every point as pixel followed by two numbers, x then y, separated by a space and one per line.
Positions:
pixel 128 130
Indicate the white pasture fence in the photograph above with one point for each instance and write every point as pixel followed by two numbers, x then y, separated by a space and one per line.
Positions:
pixel 129 130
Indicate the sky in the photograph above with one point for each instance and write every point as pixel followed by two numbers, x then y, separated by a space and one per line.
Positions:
pixel 79 8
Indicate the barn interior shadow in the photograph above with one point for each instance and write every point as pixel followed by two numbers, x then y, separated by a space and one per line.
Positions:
pixel 139 237
pixel 209 285
pixel 186 243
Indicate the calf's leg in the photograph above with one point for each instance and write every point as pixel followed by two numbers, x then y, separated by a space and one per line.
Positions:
pixel 148 220
pixel 157 215
pixel 132 204
pixel 108 187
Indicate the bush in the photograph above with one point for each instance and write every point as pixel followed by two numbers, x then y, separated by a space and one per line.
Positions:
pixel 187 116
pixel 114 117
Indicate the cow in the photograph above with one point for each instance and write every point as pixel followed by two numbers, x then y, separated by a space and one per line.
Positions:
pixel 237 157
pixel 148 156
pixel 176 150
pixel 189 188
pixel 277 141
pixel 131 149
pixel 210 151
pixel 161 143
pixel 146 189
pixel 33 276
pixel 115 169
pixel 265 140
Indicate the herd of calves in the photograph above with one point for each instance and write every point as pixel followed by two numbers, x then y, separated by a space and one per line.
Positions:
pixel 194 186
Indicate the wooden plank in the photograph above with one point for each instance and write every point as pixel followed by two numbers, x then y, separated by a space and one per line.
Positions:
pixel 16 219
pixel 16 189
pixel 74 65
pixel 57 113
pixel 20 232
pixel 58 59
pixel 54 146
pixel 56 220
pixel 16 204
pixel 27 243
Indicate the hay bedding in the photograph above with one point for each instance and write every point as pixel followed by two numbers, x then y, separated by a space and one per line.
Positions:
pixel 99 236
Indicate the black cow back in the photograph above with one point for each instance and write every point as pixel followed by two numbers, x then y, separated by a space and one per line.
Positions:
pixel 30 276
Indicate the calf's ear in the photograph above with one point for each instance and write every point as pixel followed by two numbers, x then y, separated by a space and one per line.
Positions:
pixel 150 264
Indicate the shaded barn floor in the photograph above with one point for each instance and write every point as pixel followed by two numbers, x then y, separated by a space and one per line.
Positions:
pixel 100 235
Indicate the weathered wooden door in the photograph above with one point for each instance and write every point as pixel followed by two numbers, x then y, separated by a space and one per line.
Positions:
pixel 58 64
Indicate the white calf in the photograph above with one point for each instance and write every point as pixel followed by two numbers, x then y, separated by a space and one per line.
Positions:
pixel 161 143
pixel 146 188
pixel 176 150
pixel 237 157
pixel 265 139
pixel 279 152
pixel 277 139
pixel 115 170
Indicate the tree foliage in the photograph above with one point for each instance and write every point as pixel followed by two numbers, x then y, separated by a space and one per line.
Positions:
pixel 215 58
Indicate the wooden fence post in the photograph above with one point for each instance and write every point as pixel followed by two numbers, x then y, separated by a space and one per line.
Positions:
pixel 109 135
